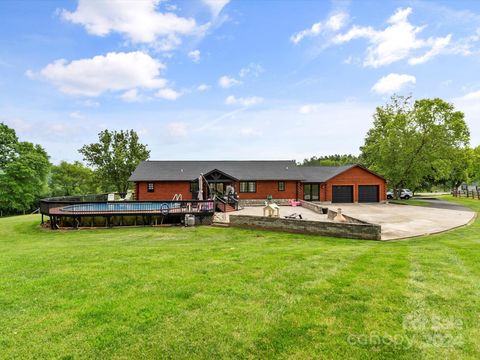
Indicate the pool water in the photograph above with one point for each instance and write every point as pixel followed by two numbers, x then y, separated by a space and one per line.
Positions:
pixel 129 207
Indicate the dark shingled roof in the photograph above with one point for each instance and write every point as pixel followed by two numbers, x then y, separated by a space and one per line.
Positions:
pixel 240 170
pixel 322 173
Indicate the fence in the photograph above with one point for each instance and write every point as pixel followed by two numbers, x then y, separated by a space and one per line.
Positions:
pixel 472 194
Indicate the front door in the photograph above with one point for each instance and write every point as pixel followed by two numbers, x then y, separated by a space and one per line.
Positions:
pixel 218 188
pixel 311 192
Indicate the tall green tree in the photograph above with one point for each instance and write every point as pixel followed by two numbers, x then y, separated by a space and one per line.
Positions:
pixel 8 144
pixel 332 160
pixel 114 157
pixel 455 169
pixel 72 179
pixel 409 138
pixel 23 178
pixel 475 173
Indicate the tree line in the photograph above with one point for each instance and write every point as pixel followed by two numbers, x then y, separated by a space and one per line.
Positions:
pixel 26 174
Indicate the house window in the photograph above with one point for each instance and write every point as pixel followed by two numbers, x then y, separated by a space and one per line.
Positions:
pixel 150 187
pixel 248 186
pixel 281 186
pixel 194 187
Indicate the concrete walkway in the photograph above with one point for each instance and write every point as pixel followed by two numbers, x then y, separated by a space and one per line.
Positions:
pixel 284 211
pixel 403 221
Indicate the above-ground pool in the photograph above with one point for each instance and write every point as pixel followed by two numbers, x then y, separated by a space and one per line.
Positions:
pixel 128 207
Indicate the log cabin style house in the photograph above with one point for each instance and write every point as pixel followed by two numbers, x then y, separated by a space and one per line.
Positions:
pixel 257 180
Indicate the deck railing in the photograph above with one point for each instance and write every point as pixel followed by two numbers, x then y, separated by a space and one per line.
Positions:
pixel 65 207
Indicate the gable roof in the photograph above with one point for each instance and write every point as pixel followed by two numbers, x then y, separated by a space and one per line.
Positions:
pixel 322 173
pixel 325 173
pixel 241 170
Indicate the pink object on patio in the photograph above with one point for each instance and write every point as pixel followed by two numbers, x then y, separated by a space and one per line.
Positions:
pixel 294 202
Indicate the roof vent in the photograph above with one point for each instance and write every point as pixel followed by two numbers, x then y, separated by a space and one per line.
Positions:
pixel 181 170
pixel 286 167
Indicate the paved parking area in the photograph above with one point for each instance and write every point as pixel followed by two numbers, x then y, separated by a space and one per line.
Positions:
pixel 284 211
pixel 402 221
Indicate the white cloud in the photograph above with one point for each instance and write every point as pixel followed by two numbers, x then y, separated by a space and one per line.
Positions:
pixel 474 95
pixel 168 94
pixel 438 46
pixel 131 96
pixel 307 109
pixel 334 23
pixel 76 115
pixel 90 103
pixel 396 42
pixel 203 87
pixel 227 81
pixel 216 6
pixel 393 83
pixel 249 132
pixel 252 69
pixel 247 101
pixel 194 55
pixel 139 21
pixel 111 72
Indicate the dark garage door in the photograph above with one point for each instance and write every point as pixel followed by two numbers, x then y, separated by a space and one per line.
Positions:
pixel 342 194
pixel 367 193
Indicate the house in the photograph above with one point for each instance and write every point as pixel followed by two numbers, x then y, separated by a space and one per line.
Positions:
pixel 470 187
pixel 256 180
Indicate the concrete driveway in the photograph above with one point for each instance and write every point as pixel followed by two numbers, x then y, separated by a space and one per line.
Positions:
pixel 402 221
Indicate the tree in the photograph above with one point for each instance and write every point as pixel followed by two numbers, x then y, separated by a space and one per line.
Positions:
pixel 455 169
pixel 115 157
pixel 72 179
pixel 8 143
pixel 409 139
pixel 475 172
pixel 23 179
pixel 332 160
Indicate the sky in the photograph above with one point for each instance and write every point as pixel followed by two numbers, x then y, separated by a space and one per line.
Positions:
pixel 220 79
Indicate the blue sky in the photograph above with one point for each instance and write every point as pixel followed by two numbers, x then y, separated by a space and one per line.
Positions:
pixel 219 79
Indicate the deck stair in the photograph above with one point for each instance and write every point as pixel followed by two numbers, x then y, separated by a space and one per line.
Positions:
pixel 223 205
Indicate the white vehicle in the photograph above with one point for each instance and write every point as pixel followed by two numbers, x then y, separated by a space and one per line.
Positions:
pixel 405 194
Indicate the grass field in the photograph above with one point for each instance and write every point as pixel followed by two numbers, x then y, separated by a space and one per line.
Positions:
pixel 230 293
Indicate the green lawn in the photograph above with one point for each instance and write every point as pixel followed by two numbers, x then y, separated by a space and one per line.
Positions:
pixel 230 293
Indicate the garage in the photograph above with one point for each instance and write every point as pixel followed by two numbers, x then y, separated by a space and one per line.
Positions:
pixel 368 193
pixel 342 194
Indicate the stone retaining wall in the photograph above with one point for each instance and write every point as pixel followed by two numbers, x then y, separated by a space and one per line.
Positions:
pixel 314 207
pixel 362 230
pixel 332 214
